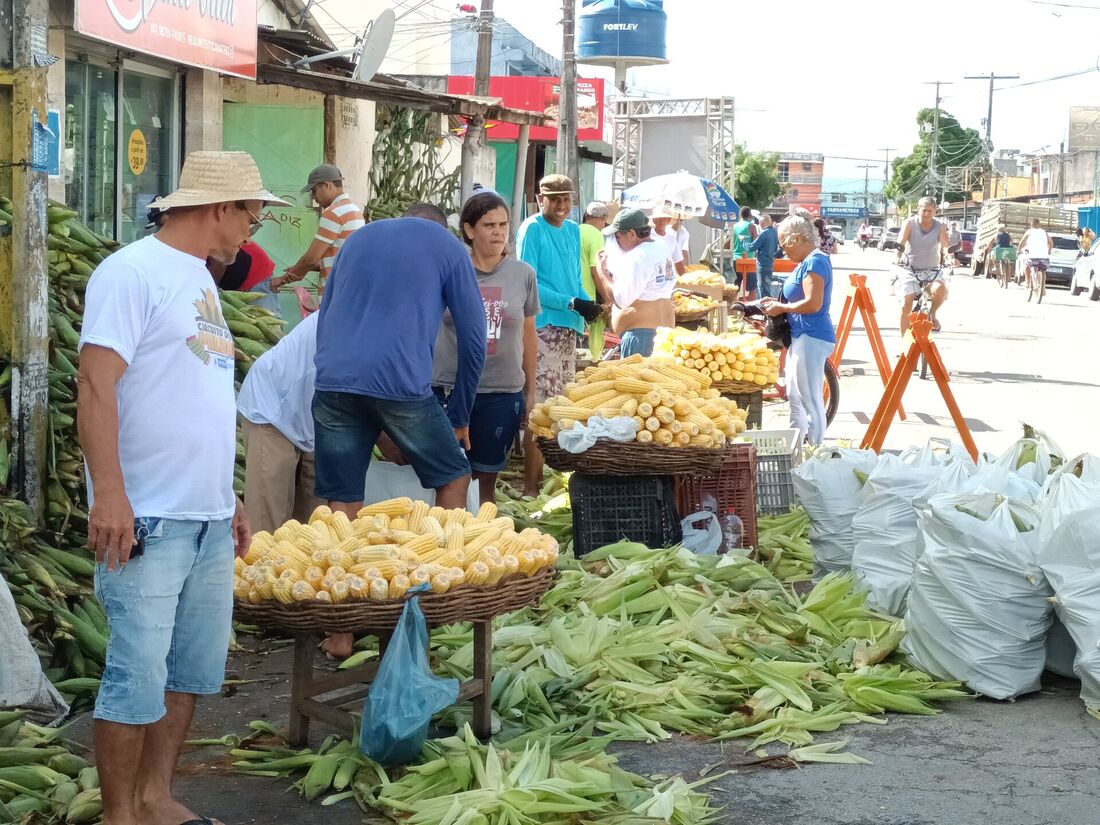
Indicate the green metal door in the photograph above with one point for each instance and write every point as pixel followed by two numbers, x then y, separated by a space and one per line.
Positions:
pixel 287 142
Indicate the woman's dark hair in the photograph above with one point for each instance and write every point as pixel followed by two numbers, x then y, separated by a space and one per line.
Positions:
pixel 746 213
pixel 819 224
pixel 476 208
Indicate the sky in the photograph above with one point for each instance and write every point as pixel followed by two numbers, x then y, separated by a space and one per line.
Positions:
pixel 845 78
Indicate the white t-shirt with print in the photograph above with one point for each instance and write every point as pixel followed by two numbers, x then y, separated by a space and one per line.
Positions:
pixel 158 308
pixel 644 273
pixel 278 389
pixel 682 239
pixel 675 249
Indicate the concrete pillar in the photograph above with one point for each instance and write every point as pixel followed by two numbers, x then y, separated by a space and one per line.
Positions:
pixel 202 116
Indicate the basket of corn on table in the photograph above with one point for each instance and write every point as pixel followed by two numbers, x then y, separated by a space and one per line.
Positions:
pixel 682 423
pixel 734 362
pixel 692 307
pixel 340 574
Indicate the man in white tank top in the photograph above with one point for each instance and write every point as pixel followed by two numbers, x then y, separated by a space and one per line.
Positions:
pixel 927 239
pixel 1035 248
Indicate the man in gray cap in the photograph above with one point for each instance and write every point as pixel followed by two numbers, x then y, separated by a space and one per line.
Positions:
pixel 340 216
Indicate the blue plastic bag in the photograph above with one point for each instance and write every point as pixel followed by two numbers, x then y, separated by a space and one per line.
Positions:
pixel 405 694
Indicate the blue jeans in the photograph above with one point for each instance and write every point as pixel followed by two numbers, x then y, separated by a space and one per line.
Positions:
pixel 637 341
pixel 806 359
pixel 170 613
pixel 494 422
pixel 348 425
pixel 766 281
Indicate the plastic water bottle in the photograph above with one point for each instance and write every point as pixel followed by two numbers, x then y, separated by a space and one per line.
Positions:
pixel 732 531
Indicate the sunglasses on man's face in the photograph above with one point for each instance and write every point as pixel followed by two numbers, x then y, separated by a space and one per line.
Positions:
pixel 255 222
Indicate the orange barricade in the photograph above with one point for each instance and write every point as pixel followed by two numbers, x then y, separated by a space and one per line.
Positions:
pixel 920 343
pixel 859 301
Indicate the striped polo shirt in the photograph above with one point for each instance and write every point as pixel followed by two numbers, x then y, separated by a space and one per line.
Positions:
pixel 338 221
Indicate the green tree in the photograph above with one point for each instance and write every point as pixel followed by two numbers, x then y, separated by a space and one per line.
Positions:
pixel 755 178
pixel 957 145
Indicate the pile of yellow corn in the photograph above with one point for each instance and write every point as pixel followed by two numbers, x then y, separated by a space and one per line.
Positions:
pixel 388 548
pixel 684 303
pixel 744 358
pixel 674 406
pixel 700 275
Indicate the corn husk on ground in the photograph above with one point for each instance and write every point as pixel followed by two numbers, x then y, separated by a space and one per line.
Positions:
pixel 672 405
pixel 389 547
pixel 744 358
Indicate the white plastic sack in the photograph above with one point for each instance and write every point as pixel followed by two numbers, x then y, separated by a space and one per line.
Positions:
pixel 979 608
pixel 1061 649
pixel 1019 473
pixel 885 536
pixel 388 480
pixel 702 533
pixel 22 682
pixel 829 489
pixel 1069 555
pixel 580 437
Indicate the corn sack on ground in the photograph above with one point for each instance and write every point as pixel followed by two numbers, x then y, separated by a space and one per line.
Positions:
pixel 673 405
pixel 745 358
pixel 388 548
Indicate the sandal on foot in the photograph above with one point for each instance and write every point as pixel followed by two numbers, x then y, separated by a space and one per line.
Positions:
pixel 202 820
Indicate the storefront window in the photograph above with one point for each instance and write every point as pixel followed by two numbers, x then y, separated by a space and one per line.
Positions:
pixel 148 157
pixel 89 158
pixel 119 154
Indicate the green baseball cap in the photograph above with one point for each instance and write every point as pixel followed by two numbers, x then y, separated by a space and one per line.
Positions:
pixel 627 219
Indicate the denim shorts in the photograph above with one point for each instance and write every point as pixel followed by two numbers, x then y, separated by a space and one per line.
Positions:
pixel 638 341
pixel 494 422
pixel 348 425
pixel 170 613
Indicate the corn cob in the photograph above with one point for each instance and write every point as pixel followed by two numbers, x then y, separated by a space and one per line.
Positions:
pixel 682 438
pixel 582 392
pixel 421 575
pixel 399 523
pixel 487 512
pixel 644 409
pixel 477 573
pixel 287 532
pixel 402 537
pixel 241 588
pixel 629 407
pixel 632 386
pixel 357 587
pixel 510 564
pixel 422 544
pixel 644 437
pixel 438 513
pixel 568 412
pixel 379 589
pixel 399 586
pixel 393 507
pixel 653 423
pixel 303 591
pixel 433 527
pixel 662 437
pixel 323 596
pixel 441 583
pixel 321 513
pixel 340 591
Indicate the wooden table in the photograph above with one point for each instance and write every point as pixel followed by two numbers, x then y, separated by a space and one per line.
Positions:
pixel 322 698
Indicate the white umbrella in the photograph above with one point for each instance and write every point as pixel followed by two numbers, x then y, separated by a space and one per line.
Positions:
pixel 683 195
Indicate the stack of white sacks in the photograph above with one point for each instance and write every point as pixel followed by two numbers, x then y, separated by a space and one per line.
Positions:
pixel 981 560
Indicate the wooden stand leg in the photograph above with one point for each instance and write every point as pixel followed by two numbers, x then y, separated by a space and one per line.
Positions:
pixel 483 672
pixel 301 687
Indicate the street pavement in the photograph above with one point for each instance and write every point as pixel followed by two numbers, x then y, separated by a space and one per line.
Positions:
pixel 1010 362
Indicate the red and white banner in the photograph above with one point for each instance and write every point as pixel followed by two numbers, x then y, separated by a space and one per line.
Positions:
pixel 543 96
pixel 210 34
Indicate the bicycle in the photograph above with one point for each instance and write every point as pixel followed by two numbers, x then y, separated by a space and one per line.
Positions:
pixel 1037 273
pixel 926 278
pixel 753 314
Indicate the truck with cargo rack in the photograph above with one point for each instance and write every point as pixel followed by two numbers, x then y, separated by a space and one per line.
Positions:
pixel 1017 218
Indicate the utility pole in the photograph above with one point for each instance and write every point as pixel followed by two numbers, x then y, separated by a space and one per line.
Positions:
pixel 1061 173
pixel 885 180
pixel 475 126
pixel 935 135
pixel 991 77
pixel 867 167
pixel 30 341
pixel 567 98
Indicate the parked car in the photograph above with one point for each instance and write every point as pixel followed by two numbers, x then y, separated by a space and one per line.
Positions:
pixel 966 246
pixel 837 232
pixel 1063 259
pixel 1086 274
pixel 876 234
pixel 889 239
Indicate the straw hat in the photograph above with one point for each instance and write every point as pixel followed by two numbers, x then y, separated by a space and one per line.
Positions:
pixel 218 177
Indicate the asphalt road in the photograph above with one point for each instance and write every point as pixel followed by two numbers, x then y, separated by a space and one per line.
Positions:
pixel 1010 361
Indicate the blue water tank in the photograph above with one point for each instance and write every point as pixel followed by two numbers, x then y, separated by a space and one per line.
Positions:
pixel 627 32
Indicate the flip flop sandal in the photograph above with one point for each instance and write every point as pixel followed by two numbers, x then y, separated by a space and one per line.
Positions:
pixel 202 820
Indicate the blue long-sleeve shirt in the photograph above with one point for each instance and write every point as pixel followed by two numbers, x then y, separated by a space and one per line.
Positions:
pixel 554 252
pixel 383 305
pixel 766 245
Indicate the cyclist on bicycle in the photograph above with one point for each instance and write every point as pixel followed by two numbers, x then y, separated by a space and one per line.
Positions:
pixel 928 243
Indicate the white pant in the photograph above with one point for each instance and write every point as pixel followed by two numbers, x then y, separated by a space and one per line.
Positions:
pixel 806 359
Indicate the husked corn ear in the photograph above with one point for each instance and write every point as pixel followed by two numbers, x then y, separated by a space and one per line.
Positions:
pixel 483 539
pixel 385 569
pixel 321 513
pixel 379 589
pixel 629 407
pixel 455 539
pixel 303 591
pixel 287 532
pixel 662 437
pixel 357 587
pixel 581 392
pixel 682 438
pixel 643 437
pixel 338 558
pixel 422 544
pixel 487 511
pixel 339 591
pixel 665 415
pixel 438 513
pixel 441 583
pixel 568 412
pixel 457 516
pixel 511 544
pixel 496 572
pixel 323 596
pixel 421 575
pixel 432 526
pixel 477 573
pixel 644 409
pixel 241 587
pixel 632 386
pixel 510 564
pixel 399 523
pixel 399 586
pixel 505 523
pixel 417 514
pixel 392 506
pixel 340 524
pixel 653 423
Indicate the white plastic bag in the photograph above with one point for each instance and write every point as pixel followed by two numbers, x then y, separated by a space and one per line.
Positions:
pixel 702 533
pixel 979 609
pixel 580 437
pixel 1069 555
pixel 1018 473
pixel 22 682
pixel 388 480
pixel 885 536
pixel 829 489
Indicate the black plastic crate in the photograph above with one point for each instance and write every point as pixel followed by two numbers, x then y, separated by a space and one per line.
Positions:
pixel 607 509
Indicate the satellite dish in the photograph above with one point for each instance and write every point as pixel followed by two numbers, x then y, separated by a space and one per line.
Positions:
pixel 376 42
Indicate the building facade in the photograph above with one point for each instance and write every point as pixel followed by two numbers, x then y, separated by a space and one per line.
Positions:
pixel 801 173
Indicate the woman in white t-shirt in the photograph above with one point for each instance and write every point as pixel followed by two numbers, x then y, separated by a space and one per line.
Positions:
pixel 637 272
pixel 1035 248
pixel 683 239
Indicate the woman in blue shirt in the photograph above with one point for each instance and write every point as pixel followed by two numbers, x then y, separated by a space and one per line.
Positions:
pixel 807 295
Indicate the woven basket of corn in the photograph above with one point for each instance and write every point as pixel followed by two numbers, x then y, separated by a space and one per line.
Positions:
pixel 612 458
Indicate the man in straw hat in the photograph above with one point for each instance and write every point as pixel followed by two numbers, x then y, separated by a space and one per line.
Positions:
pixel 551 244
pixel 156 420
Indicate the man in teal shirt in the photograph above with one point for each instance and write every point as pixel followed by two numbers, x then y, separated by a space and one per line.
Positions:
pixel 551 244
pixel 592 227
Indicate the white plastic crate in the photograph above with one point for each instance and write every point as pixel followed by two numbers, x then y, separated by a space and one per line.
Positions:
pixel 777 453
pixel 773 442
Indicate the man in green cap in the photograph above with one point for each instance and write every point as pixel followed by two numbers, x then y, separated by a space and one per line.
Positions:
pixel 340 216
